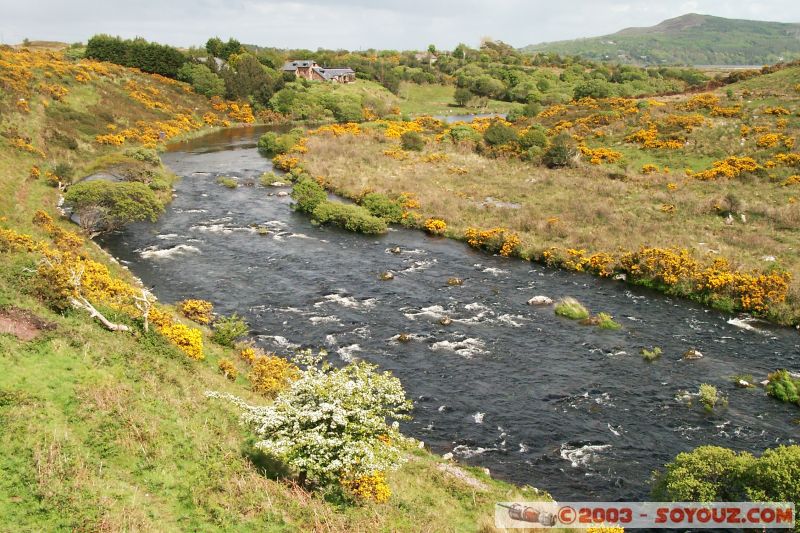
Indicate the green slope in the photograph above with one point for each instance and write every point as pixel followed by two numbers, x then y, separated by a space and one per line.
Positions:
pixel 690 39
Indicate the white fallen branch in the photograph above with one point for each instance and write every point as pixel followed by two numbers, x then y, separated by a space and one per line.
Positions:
pixel 143 304
pixel 80 302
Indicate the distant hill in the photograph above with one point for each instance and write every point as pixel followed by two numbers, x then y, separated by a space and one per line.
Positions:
pixel 691 40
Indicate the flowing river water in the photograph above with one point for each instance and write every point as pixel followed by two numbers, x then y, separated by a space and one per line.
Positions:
pixel 537 399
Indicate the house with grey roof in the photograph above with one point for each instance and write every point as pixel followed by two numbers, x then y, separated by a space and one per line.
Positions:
pixel 309 70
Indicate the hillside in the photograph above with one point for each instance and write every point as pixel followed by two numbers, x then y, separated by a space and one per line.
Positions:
pixel 690 39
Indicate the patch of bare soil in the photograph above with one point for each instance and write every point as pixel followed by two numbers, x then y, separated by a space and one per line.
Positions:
pixel 22 324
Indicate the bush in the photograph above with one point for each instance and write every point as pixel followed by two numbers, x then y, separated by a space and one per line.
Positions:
pixel 351 217
pixel 202 80
pixel 535 136
pixel 333 424
pixel 271 374
pixel 532 109
pixel 228 329
pixel 593 89
pixel 382 206
pixel 272 143
pixel 145 155
pixel 64 171
pixel 783 387
pixel 561 153
pixel 413 141
pixel 463 132
pixel 707 474
pixel 710 397
pixel 308 194
pixel 105 206
pixel 572 309
pixel 199 311
pixel 498 133
pixel 228 369
pixel 462 96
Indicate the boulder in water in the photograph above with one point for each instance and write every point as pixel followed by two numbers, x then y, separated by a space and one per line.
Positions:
pixel 282 194
pixel 692 355
pixel 445 321
pixel 404 337
pixel 386 276
pixel 278 184
pixel 455 282
pixel 448 456
pixel 540 300
pixel 395 250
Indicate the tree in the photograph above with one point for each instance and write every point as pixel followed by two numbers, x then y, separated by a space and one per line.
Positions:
pixel 202 79
pixel 247 77
pixel 462 96
pixel 595 88
pixel 332 423
pixel 112 205
pixel 561 153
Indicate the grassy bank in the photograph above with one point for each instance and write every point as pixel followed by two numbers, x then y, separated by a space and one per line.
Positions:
pixel 679 192
pixel 434 99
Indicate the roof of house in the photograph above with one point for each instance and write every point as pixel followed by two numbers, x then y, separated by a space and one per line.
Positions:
pixel 293 65
pixel 330 73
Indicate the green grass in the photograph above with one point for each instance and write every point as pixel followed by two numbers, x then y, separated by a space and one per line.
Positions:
pixel 571 308
pixel 606 321
pixel 651 355
pixel 434 99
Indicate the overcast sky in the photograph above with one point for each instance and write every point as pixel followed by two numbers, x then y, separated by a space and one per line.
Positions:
pixel 358 24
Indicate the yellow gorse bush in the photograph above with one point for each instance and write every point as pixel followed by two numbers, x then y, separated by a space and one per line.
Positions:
pixel 271 374
pixel 199 311
pixel 435 226
pixel 228 369
pixel 499 240
pixel 729 167
pixel 371 487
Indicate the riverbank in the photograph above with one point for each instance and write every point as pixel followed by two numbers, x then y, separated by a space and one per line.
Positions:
pixel 727 243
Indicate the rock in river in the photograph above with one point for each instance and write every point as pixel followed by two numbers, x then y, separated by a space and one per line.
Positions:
pixel 540 300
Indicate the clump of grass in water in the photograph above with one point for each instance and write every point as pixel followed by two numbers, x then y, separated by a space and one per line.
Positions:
pixel 606 321
pixel 228 182
pixel 651 355
pixel 710 397
pixel 571 308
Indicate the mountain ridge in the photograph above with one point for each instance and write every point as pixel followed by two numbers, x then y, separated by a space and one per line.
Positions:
pixel 693 38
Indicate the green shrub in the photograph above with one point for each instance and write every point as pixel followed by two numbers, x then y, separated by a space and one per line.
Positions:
pixel 105 206
pixel 707 474
pixel 606 321
pixel 783 387
pixel 230 183
pixel 308 194
pixel 498 133
pixel 532 109
pixel 382 206
pixel 651 355
pixel 64 171
pixel 561 153
pixel 535 136
pixel 145 155
pixel 273 143
pixel 412 140
pixel 228 329
pixel 268 178
pixel 463 133
pixel 350 217
pixel 202 79
pixel 710 397
pixel 572 309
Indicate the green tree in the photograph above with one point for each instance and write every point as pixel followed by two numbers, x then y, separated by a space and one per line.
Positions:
pixel 202 79
pixel 246 77
pixel 498 133
pixel 308 194
pixel 105 206
pixel 462 96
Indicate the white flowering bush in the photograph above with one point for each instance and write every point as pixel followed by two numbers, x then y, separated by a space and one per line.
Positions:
pixel 332 424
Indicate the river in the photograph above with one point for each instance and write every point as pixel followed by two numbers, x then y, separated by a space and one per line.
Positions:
pixel 537 399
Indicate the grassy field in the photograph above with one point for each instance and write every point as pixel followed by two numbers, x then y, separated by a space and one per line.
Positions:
pixel 751 219
pixel 111 431
pixel 432 99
